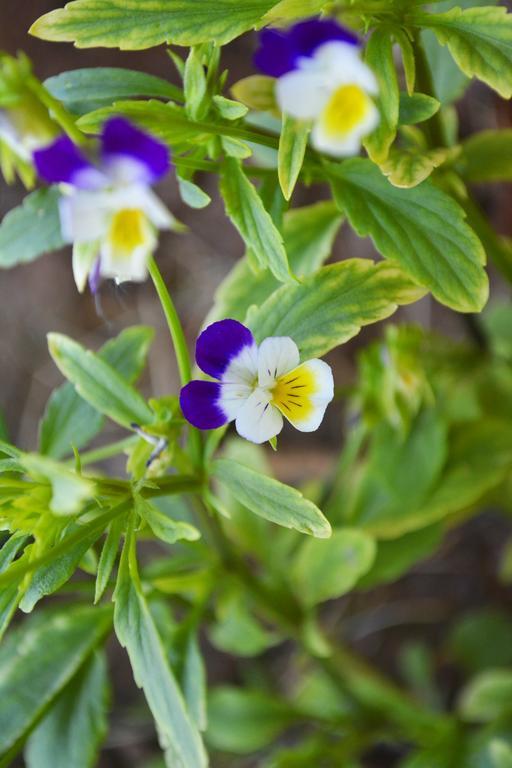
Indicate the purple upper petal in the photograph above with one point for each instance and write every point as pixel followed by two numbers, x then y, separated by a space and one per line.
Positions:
pixel 219 344
pixel 199 403
pixel 123 141
pixel 280 50
pixel 62 162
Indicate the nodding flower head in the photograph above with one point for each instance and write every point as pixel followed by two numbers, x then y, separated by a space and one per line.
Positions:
pixel 107 209
pixel 255 386
pixel 322 78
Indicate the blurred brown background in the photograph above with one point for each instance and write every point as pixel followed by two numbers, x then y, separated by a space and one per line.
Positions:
pixel 42 297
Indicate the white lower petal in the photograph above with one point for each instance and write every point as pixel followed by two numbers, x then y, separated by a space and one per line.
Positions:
pixel 276 355
pixel 84 256
pixel 141 197
pixel 302 395
pixel 302 94
pixel 258 420
pixel 347 144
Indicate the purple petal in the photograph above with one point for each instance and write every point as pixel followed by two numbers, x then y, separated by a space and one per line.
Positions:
pixel 199 403
pixel 309 35
pixel 95 277
pixel 275 56
pixel 219 344
pixel 122 141
pixel 280 50
pixel 62 162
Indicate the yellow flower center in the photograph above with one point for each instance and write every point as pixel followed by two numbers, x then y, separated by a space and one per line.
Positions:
pixel 292 392
pixel 128 230
pixel 346 108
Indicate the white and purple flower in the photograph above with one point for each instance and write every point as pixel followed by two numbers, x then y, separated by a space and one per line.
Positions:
pixel 321 77
pixel 255 385
pixel 108 211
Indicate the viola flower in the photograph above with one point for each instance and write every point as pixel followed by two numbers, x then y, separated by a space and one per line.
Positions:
pixel 321 77
pixel 108 211
pixel 256 386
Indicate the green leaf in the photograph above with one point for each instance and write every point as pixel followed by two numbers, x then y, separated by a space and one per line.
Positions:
pixel 322 570
pixel 191 194
pixel 164 527
pixel 167 122
pixel 308 233
pixel 98 383
pixel 480 41
pixel 416 108
pixel 293 9
pixel 84 90
pixel 108 557
pixel 69 490
pixel 292 147
pixel 246 211
pixel 195 85
pixel 228 109
pixel 423 229
pixel 271 499
pixel 379 57
pixel 48 654
pixel 69 420
pixel 406 168
pixel 257 92
pixel 487 156
pixel 501 753
pixel 138 24
pixel 244 721
pixel 137 632
pixel 331 307
pixel 31 229
pixel 237 630
pixel 487 697
pixel 194 682
pixel 468 642
pixel 70 734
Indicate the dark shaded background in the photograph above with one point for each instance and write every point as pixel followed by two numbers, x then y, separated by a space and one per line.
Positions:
pixel 42 297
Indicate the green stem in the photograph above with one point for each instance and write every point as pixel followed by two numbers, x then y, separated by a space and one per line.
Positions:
pixel 179 344
pixel 105 451
pixel 57 111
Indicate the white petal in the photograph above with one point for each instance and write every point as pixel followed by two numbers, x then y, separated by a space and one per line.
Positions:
pixel 340 63
pixel 258 420
pixel 141 197
pixel 276 355
pixel 84 256
pixel 84 216
pixel 233 397
pixel 243 369
pixel 304 393
pixel 302 94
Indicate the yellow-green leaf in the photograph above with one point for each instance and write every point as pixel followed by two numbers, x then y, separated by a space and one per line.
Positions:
pixel 292 146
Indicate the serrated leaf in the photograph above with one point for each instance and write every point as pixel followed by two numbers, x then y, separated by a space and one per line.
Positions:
pixel 48 654
pixel 292 147
pixel 137 24
pixel 98 383
pixel 330 307
pixel 245 209
pixel 487 156
pixel 322 570
pixel 379 57
pixel 71 732
pixel 416 108
pixel 408 168
pixel 480 41
pixel 136 631
pixel 84 90
pixel 271 499
pixel 308 234
pixel 422 229
pixel 69 420
pixel 31 229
